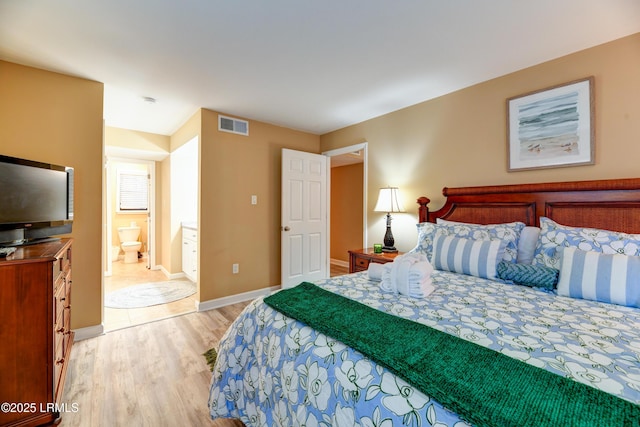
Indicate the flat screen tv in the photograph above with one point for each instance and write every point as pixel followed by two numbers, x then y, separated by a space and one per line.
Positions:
pixel 36 201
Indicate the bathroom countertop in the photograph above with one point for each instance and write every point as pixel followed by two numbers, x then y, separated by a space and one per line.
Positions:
pixel 190 224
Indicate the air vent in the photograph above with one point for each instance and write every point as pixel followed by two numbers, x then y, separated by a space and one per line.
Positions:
pixel 229 124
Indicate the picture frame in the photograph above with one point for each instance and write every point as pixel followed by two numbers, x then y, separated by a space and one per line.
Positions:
pixel 552 127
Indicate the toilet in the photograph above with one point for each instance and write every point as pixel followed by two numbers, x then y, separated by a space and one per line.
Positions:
pixel 129 243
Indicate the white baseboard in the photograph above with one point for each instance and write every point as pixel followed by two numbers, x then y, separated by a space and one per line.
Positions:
pixel 233 299
pixel 339 262
pixel 170 276
pixel 88 332
pixel 97 330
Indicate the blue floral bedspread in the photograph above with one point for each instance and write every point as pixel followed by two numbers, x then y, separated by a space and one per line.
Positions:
pixel 275 371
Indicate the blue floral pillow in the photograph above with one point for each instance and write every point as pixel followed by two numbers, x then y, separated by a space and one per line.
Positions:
pixel 426 233
pixel 554 236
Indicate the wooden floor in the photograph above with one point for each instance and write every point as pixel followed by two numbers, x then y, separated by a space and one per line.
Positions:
pixel 124 275
pixel 148 375
pixel 152 374
pixel 338 270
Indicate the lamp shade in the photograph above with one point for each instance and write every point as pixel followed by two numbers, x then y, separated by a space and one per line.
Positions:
pixel 389 200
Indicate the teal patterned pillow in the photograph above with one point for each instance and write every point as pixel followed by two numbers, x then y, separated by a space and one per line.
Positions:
pixel 537 276
pixel 554 236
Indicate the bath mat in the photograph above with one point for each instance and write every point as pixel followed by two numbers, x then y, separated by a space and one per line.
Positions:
pixel 148 294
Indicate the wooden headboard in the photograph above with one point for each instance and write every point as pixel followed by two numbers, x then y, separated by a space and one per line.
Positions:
pixel 608 204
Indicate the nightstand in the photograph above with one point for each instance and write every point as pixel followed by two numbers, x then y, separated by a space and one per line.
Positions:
pixel 359 259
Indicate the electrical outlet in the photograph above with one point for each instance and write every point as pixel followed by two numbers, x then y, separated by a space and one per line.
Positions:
pixel 235 268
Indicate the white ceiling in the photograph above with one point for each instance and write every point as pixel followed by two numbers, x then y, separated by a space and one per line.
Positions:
pixel 315 65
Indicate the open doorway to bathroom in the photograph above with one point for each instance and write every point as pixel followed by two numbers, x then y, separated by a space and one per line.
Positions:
pixel 137 288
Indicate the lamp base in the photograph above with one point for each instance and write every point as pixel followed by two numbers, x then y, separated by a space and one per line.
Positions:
pixel 388 240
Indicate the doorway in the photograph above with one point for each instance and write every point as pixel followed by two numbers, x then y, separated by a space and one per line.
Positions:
pixel 142 289
pixel 348 204
pixel 136 216
pixel 305 204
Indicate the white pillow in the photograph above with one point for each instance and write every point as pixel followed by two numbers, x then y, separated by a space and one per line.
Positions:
pixel 527 244
pixel 611 278
pixel 473 257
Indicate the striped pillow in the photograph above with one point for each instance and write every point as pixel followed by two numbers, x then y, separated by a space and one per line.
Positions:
pixel 612 278
pixel 473 257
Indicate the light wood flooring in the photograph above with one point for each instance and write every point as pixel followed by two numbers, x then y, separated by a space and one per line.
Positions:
pixel 149 375
pixel 338 270
pixel 124 275
pixel 152 374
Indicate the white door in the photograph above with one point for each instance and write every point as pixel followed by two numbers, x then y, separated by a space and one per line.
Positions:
pixel 304 217
pixel 150 226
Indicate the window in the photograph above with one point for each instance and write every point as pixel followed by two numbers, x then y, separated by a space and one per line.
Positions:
pixel 133 191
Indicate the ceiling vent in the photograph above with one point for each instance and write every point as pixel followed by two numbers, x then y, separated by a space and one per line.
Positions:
pixel 229 124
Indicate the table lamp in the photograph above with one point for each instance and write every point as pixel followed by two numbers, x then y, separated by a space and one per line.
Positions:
pixel 388 201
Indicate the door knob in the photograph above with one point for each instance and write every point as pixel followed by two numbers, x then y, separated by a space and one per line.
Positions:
pixel 286 228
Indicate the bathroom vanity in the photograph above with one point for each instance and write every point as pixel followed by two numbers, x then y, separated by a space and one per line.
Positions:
pixel 190 250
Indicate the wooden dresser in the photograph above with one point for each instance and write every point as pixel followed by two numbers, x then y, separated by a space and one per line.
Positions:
pixel 359 259
pixel 35 316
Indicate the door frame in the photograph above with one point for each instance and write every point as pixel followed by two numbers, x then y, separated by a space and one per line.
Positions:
pixel 151 217
pixel 364 146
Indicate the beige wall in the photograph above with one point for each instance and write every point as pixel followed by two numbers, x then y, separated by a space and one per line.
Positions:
pixel 460 139
pixel 55 118
pixel 135 141
pixel 231 230
pixel 234 167
pixel 346 210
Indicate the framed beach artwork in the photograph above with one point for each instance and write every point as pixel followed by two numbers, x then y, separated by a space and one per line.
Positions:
pixel 552 127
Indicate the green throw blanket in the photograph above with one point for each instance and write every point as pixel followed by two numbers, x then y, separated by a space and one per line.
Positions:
pixel 485 387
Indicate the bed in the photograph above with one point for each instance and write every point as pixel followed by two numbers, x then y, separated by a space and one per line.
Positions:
pixel 274 370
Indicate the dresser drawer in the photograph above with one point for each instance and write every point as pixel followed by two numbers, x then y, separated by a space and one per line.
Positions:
pixel 59 341
pixel 361 264
pixel 61 267
pixel 59 302
pixel 189 234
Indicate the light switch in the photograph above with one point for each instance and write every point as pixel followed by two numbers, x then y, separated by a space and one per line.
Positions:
pixel 254 199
